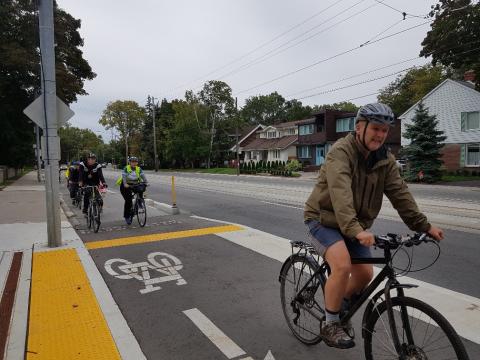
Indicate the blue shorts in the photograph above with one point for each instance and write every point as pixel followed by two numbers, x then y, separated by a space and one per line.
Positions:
pixel 322 237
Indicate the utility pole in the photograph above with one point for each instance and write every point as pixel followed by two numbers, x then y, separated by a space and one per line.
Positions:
pixel 155 155
pixel 236 135
pixel 52 150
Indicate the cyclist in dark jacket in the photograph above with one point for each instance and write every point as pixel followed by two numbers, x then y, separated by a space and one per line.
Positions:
pixel 91 175
pixel 73 178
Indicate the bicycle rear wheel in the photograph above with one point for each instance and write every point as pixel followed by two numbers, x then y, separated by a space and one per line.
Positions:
pixel 96 217
pixel 305 314
pixel 422 331
pixel 141 211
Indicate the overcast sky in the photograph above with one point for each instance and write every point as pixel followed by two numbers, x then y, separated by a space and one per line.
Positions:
pixel 162 48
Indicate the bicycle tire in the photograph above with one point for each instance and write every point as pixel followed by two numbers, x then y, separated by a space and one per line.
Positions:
pixel 141 212
pixel 96 217
pixel 296 315
pixel 456 350
pixel 89 216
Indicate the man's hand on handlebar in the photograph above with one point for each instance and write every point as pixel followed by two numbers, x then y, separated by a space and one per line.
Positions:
pixel 436 233
pixel 366 238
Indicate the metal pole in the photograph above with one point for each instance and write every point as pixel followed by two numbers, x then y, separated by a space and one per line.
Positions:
pixel 155 156
pixel 236 134
pixel 51 151
pixel 39 163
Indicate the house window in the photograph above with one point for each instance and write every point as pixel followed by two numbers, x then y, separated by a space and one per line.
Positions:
pixel 271 134
pixel 290 132
pixel 473 155
pixel 306 129
pixel 345 124
pixel 305 152
pixel 276 154
pixel 470 120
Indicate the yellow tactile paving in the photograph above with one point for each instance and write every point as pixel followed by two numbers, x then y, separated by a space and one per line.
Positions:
pixel 65 319
pixel 162 236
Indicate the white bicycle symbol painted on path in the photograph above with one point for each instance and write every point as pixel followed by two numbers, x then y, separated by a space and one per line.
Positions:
pixel 167 265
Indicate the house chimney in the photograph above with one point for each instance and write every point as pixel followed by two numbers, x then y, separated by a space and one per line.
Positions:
pixel 469 76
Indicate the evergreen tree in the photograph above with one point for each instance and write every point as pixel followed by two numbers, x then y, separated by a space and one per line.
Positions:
pixel 423 152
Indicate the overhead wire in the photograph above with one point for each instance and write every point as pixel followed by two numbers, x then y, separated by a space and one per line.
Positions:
pixel 330 58
pixel 290 96
pixel 279 49
pixel 262 45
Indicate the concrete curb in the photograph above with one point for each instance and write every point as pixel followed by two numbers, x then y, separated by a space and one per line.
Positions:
pixel 69 214
pixel 169 209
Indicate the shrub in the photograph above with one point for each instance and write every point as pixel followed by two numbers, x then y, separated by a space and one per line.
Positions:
pixel 294 165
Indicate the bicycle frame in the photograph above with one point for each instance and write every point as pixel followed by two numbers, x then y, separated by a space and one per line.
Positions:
pixel 387 272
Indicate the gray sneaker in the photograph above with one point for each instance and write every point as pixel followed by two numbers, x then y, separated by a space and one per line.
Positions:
pixel 335 336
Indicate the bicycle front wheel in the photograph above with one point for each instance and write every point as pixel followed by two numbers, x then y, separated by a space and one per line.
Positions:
pixel 423 333
pixel 141 211
pixel 304 312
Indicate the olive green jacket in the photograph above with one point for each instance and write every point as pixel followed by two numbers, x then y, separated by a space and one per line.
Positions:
pixel 349 192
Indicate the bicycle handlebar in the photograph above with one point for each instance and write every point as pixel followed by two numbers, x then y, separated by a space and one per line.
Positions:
pixel 394 241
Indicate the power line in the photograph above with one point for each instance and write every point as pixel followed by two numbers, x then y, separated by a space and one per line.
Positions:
pixel 370 71
pixel 356 84
pixel 262 45
pixel 401 12
pixel 354 76
pixel 331 57
pixel 274 51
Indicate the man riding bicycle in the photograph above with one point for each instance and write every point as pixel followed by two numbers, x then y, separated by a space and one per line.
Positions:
pixel 91 175
pixel 344 204
pixel 132 180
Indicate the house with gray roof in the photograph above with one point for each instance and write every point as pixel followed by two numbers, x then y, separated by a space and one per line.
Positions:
pixel 456 105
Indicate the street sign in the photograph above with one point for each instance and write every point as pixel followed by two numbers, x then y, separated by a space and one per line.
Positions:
pixel 36 112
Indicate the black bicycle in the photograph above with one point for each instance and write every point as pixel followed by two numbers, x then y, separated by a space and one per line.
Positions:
pixel 93 211
pixel 394 326
pixel 139 209
pixel 78 199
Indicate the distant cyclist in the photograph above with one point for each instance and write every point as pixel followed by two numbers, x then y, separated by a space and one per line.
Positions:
pixel 73 178
pixel 132 180
pixel 91 175
pixel 343 205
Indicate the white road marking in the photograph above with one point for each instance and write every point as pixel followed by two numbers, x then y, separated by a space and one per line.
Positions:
pixel 111 192
pixel 168 265
pixel 226 345
pixel 277 204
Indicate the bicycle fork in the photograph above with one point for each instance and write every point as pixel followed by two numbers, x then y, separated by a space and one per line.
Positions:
pixel 400 348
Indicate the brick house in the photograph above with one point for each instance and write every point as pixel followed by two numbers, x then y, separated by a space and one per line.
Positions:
pixel 456 105
pixel 317 134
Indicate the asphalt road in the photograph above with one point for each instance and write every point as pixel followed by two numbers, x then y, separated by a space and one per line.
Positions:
pixel 456 269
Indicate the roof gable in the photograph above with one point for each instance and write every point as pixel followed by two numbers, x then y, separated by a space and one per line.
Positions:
pixel 449 81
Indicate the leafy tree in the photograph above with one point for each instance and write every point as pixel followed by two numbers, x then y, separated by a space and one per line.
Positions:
pixel 423 152
pixel 294 110
pixel 187 143
pixel 264 109
pixel 409 88
pixel 454 39
pixel 217 97
pixel 20 77
pixel 76 142
pixel 127 118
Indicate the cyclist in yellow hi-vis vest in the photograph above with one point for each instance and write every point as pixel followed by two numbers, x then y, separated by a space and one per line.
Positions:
pixel 131 181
